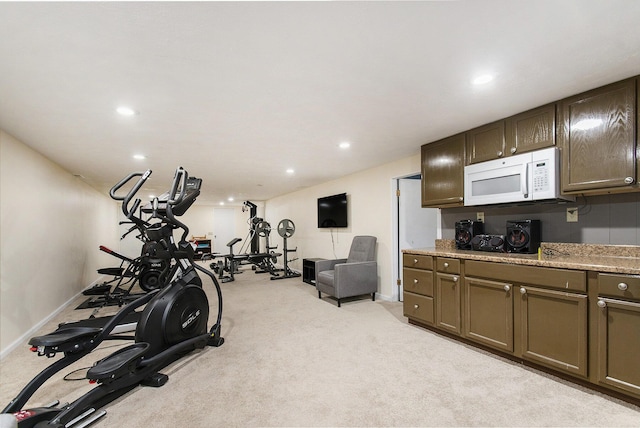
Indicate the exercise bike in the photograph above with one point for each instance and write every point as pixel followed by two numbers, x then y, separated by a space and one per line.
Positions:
pixel 173 323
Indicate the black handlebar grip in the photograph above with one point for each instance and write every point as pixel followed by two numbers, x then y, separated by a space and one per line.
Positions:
pixel 125 204
pixel 180 174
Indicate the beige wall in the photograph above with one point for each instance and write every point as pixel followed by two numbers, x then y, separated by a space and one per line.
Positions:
pixel 51 226
pixel 370 200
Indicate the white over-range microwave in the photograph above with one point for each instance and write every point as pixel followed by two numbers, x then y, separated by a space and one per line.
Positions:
pixel 533 176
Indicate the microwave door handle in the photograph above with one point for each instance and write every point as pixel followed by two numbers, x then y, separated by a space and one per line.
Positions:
pixel 524 179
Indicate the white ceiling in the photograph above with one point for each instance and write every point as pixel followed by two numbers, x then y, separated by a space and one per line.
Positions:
pixel 237 92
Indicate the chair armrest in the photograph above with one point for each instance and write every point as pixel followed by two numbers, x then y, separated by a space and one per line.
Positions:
pixel 328 264
pixel 351 279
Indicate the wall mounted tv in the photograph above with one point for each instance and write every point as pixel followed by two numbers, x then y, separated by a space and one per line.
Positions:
pixel 332 211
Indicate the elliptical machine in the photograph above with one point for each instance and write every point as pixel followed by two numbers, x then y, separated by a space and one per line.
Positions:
pixel 173 323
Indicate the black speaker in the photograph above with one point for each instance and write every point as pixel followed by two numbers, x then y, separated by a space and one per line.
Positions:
pixel 523 236
pixel 465 231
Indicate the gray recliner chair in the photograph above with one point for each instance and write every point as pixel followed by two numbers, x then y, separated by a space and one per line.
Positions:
pixel 354 276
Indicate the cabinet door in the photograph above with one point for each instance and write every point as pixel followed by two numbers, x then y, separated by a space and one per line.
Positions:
pixel 597 136
pixel 443 172
pixel 486 142
pixel 489 313
pixel 532 130
pixel 619 344
pixel 448 302
pixel 554 329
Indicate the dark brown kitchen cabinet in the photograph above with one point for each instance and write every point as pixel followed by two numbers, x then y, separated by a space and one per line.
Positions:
pixel 417 280
pixel 443 172
pixel 448 295
pixel 618 338
pixel 554 329
pixel 486 142
pixel 597 134
pixel 531 130
pixel 488 312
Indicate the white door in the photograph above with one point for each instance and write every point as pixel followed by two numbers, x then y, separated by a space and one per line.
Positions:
pixel 224 227
pixel 417 227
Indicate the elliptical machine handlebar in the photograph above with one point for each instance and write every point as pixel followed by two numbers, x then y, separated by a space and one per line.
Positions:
pixel 179 179
pixel 127 198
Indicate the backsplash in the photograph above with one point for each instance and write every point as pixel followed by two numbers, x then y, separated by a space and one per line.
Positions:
pixel 606 219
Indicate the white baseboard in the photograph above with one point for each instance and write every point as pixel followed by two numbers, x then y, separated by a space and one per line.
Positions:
pixel 32 331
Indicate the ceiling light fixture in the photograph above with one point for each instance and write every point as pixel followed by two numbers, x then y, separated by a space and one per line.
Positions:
pixel 290 171
pixel 230 199
pixel 481 80
pixel 344 145
pixel 221 203
pixel 139 157
pixel 126 111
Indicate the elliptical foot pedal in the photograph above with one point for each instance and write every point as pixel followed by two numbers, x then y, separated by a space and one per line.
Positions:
pixel 156 380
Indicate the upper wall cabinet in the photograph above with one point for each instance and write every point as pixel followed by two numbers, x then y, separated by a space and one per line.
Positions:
pixel 597 133
pixel 443 172
pixel 486 142
pixel 532 130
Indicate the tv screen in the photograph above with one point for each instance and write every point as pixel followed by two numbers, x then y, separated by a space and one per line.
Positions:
pixel 332 211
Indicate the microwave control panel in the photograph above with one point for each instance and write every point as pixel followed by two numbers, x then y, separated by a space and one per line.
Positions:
pixel 540 176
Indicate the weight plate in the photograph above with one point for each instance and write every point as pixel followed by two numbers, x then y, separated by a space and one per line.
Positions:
pixel 286 228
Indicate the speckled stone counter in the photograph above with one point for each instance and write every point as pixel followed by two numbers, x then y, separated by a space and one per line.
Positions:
pixel 623 259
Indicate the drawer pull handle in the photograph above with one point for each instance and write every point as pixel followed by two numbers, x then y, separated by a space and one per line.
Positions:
pixel 507 288
pixel 602 304
pixel 455 279
pixel 446 265
pixel 415 261
pixel 513 150
pixel 416 306
pixel 628 180
pixel 622 286
pixel 499 153
pixel 523 290
pixel 415 281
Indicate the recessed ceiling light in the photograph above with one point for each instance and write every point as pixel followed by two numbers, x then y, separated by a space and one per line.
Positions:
pixel 481 80
pixel 139 157
pixel 126 111
pixel 290 171
pixel 230 199
pixel 221 203
pixel 344 145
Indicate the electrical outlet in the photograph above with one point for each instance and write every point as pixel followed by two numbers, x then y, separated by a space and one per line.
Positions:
pixel 572 215
pixel 480 216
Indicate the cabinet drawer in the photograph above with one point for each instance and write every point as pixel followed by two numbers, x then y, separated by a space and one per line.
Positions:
pixel 621 286
pixel 418 281
pixel 561 279
pixel 418 307
pixel 418 262
pixel 448 265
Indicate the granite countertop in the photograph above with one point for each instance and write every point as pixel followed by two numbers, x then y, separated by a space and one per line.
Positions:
pixel 623 259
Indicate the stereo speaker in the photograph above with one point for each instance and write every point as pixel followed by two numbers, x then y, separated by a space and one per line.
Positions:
pixel 465 231
pixel 523 236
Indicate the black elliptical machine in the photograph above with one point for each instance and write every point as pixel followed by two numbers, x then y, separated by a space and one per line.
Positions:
pixel 173 323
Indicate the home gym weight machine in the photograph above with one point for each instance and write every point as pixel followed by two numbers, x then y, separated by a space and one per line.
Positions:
pixel 173 323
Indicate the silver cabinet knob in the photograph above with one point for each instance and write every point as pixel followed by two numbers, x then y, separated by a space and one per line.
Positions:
pixel 499 153
pixel 513 150
pixel 622 286
pixel 455 279
pixel 628 180
pixel 415 281
pixel 602 304
pixel 416 306
pixel 415 261
pixel 523 290
pixel 446 265
pixel 507 288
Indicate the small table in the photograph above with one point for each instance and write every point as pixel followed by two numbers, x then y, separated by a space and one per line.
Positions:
pixel 309 270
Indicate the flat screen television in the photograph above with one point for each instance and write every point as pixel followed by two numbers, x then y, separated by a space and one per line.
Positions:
pixel 332 211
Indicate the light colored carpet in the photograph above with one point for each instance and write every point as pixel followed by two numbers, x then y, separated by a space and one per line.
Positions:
pixel 291 359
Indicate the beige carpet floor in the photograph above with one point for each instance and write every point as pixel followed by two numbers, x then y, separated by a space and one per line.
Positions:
pixel 291 359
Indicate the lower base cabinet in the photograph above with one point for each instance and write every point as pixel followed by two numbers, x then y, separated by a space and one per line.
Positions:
pixel 488 317
pixel 418 307
pixel 448 297
pixel 554 329
pixel 619 345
